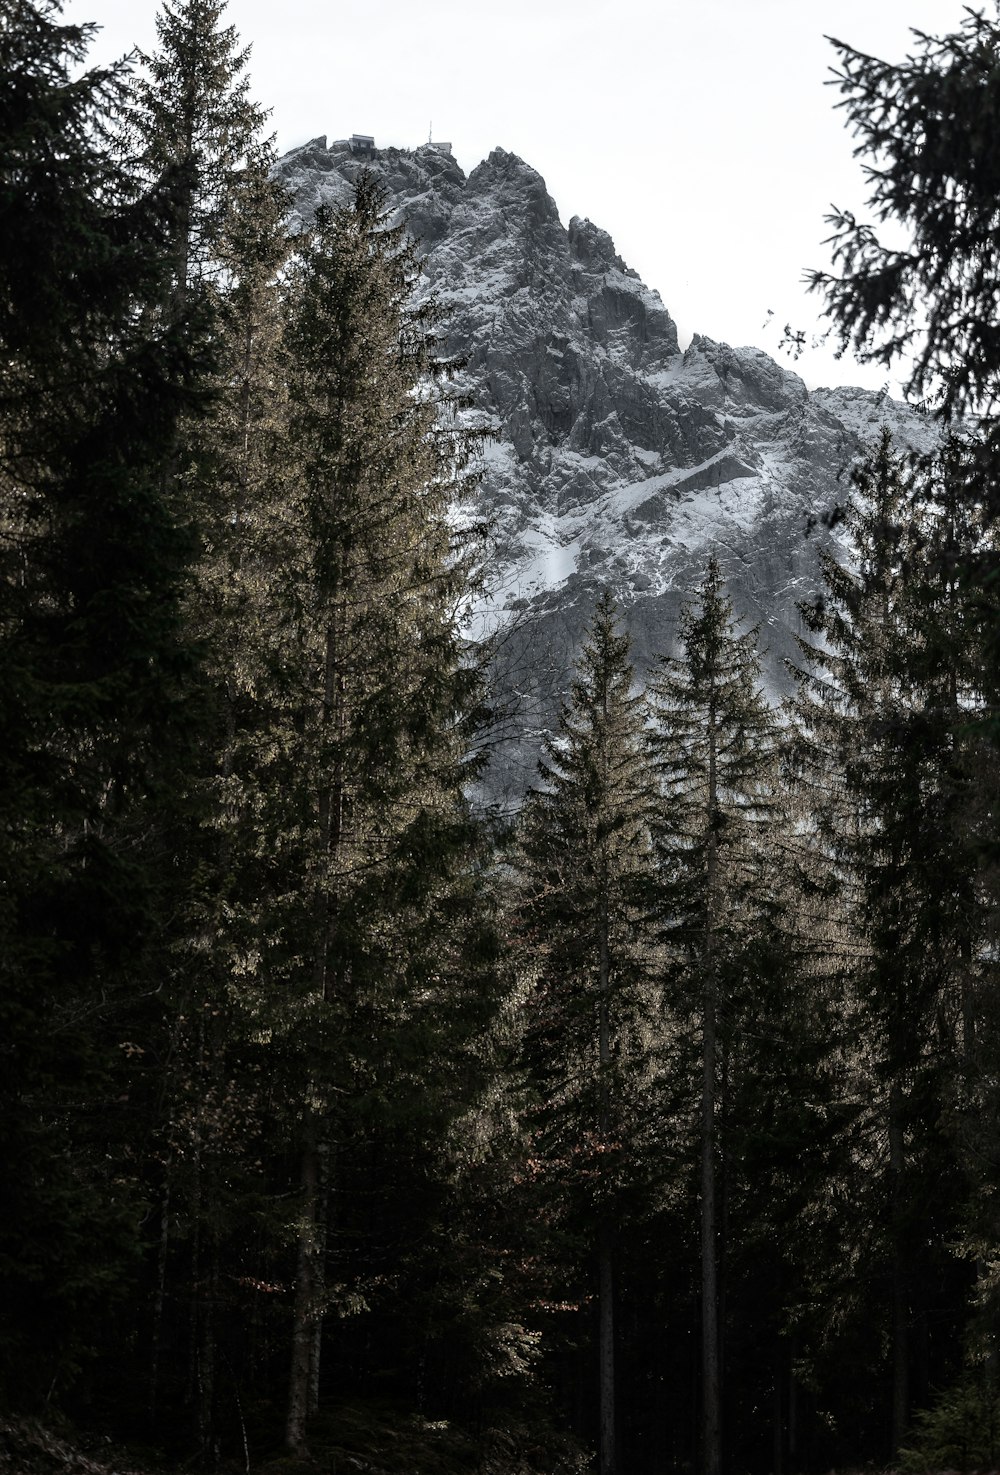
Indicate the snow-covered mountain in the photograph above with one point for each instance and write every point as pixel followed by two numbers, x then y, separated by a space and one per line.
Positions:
pixel 621 460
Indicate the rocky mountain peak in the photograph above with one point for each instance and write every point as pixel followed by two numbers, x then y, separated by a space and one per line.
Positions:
pixel 593 248
pixel 620 461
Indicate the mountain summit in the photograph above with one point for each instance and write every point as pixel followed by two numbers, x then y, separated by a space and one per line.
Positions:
pixel 621 461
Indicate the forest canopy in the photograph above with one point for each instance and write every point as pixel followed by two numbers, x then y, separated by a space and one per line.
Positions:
pixel 344 1119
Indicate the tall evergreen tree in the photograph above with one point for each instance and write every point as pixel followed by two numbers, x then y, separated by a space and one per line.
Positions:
pixel 924 132
pixel 246 485
pixel 586 871
pixel 95 661
pixel 188 117
pixel 714 744
pixel 924 125
pixel 882 719
pixel 928 299
pixel 373 831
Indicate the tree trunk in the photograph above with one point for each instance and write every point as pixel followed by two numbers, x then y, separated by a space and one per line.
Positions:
pixel 160 1297
pixel 307 1291
pixel 321 1232
pixel 900 1310
pixel 711 1378
pixel 712 1453
pixel 307 1321
pixel 778 1412
pixel 207 1357
pixel 606 1337
pixel 607 1348
pixel 968 998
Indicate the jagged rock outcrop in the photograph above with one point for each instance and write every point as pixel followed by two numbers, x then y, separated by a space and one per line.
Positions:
pixel 620 459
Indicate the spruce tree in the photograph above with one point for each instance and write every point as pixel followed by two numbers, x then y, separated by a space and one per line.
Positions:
pixel 954 655
pixel 188 118
pixel 372 836
pixel 245 487
pixel 925 127
pixel 928 300
pixel 96 664
pixel 585 864
pixel 881 720
pixel 715 752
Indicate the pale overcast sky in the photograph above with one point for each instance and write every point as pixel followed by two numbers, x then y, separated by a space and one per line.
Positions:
pixel 698 132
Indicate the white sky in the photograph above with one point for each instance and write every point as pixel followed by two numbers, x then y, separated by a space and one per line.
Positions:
pixel 698 132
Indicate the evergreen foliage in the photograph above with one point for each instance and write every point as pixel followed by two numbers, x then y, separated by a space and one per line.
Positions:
pixel 95 667
pixel 715 750
pixel 719 1111
pixel 715 746
pixel 927 127
pixel 883 727
pixel 190 117
pixel 586 870
pixel 365 929
pixel 960 1432
pixel 186 118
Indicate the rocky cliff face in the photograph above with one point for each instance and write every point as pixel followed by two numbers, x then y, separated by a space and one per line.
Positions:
pixel 620 460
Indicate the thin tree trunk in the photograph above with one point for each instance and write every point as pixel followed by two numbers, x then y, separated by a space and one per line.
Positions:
pixel 968 998
pixel 606 1337
pixel 712 1453
pixel 307 1291
pixel 900 1310
pixel 778 1413
pixel 721 1196
pixel 307 1319
pixel 607 1348
pixel 159 1300
pixel 207 1359
pixel 711 1377
pixel 196 1307
pixel 315 1359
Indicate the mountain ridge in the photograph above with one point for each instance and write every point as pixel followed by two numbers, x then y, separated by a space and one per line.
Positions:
pixel 621 460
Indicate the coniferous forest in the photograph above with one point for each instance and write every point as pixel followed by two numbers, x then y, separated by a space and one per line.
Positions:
pixel 345 1125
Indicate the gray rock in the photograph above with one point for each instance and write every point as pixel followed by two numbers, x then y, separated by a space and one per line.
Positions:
pixel 619 459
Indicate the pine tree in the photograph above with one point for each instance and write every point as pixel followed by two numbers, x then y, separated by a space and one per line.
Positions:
pixel 369 755
pixel 924 129
pixel 954 657
pixel 925 125
pixel 586 869
pixel 881 716
pixel 246 485
pixel 96 665
pixel 190 117
pixel 715 752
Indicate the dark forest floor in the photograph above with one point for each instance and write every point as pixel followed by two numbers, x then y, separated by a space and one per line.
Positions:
pixel 355 1439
